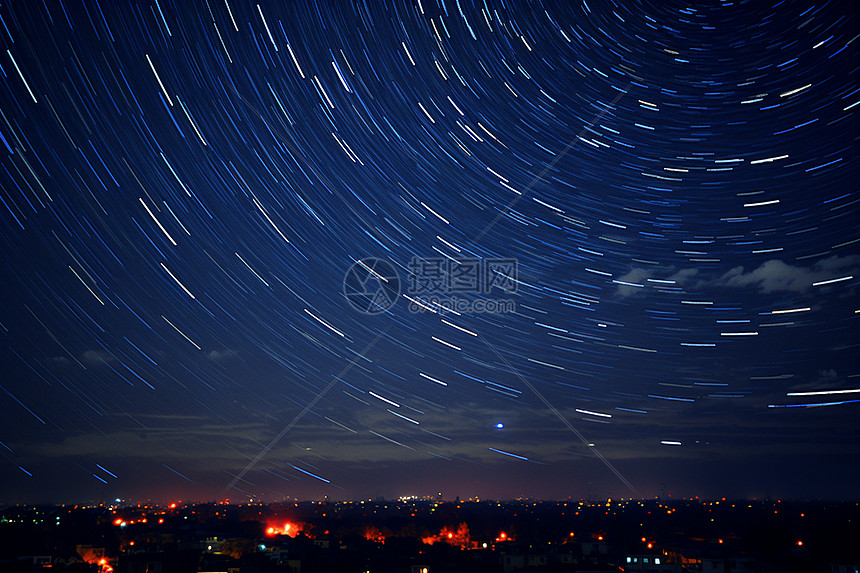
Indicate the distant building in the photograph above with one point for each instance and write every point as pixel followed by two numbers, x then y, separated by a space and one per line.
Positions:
pixel 90 554
pixel 651 564
pixel 551 560
pixel 36 561
pixel 518 562
pixel 730 565
pixel 840 568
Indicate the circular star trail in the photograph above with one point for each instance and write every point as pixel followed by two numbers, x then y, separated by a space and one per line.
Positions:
pixel 628 230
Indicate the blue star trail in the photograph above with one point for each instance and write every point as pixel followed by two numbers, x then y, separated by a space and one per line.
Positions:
pixel 241 239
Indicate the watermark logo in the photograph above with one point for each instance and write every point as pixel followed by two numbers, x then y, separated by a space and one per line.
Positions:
pixel 457 305
pixel 371 285
pixel 436 284
pixel 444 276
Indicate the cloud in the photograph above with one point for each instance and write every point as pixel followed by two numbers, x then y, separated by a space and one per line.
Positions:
pixel 219 355
pixel 640 275
pixel 827 374
pixel 778 276
pixel 825 380
pixel 94 357
pixel 635 276
pixel 683 276
pixel 181 440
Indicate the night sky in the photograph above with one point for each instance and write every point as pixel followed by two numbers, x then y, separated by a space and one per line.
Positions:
pixel 232 235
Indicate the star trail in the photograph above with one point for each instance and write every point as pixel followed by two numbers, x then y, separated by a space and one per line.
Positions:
pixel 503 249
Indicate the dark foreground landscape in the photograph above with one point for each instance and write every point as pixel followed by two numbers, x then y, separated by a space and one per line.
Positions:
pixel 433 536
